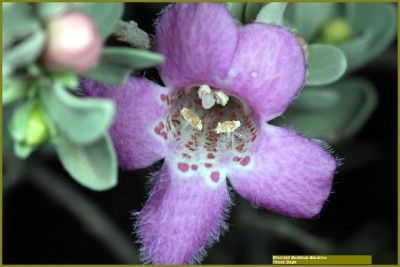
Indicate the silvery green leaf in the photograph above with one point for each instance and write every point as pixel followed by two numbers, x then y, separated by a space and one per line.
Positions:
pixel 18 19
pixel 357 50
pixel 48 10
pixel 308 18
pixel 14 89
pixel 68 79
pixel 314 100
pixel 348 107
pixel 27 51
pixel 105 15
pixel 22 150
pixel 116 64
pixel 326 64
pixel 237 10
pixel 93 166
pixel 108 73
pixel 251 10
pixel 131 57
pixel 19 120
pixel 375 23
pixel 81 120
pixel 272 13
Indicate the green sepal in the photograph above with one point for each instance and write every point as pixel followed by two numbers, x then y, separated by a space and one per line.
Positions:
pixel 326 64
pixel 81 120
pixel 93 165
pixel 272 13
pixel 343 108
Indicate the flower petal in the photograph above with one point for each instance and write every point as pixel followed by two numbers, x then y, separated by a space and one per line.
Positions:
pixel 289 174
pixel 198 40
pixel 139 109
pixel 268 69
pixel 181 217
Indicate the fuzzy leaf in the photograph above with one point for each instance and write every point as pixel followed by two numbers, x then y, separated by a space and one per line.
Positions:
pixel 237 10
pixel 272 13
pixel 13 89
pixel 48 10
pixel 105 15
pixel 251 10
pixel 93 166
pixel 374 25
pixel 354 102
pixel 18 128
pixel 308 18
pixel 18 20
pixel 27 51
pixel 108 73
pixel 326 64
pixel 20 119
pixel 81 120
pixel 131 57
pixel 116 64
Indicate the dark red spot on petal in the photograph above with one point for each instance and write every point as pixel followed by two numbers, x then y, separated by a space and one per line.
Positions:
pixel 208 165
pixel 236 158
pixel 183 167
pixel 185 155
pixel 163 97
pixel 165 135
pixel 215 176
pixel 194 167
pixel 245 161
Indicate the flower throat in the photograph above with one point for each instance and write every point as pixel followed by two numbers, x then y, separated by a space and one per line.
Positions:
pixel 205 123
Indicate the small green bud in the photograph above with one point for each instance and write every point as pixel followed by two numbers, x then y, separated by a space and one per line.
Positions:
pixel 37 130
pixel 336 31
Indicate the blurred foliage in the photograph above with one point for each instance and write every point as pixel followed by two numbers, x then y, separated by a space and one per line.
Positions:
pixel 47 105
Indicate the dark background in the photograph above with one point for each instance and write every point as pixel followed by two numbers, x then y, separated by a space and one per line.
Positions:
pixel 359 218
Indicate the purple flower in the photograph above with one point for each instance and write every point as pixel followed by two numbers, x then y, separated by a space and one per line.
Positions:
pixel 223 83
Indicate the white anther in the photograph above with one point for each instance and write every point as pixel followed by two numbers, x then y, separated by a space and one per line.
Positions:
pixel 221 97
pixel 203 90
pixel 206 96
pixel 192 118
pixel 227 127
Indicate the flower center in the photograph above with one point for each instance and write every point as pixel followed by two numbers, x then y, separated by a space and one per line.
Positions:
pixel 208 128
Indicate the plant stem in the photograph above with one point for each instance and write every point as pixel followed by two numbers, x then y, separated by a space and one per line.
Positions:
pixel 86 211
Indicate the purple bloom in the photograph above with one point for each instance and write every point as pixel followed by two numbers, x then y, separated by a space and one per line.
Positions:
pixel 223 83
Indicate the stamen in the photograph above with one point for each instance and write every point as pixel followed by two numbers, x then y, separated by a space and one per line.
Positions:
pixel 192 118
pixel 209 97
pixel 227 127
pixel 206 96
pixel 221 97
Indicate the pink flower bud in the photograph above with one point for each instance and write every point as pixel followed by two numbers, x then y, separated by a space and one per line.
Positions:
pixel 73 43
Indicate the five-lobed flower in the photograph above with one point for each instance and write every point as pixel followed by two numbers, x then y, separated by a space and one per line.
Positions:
pixel 223 84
